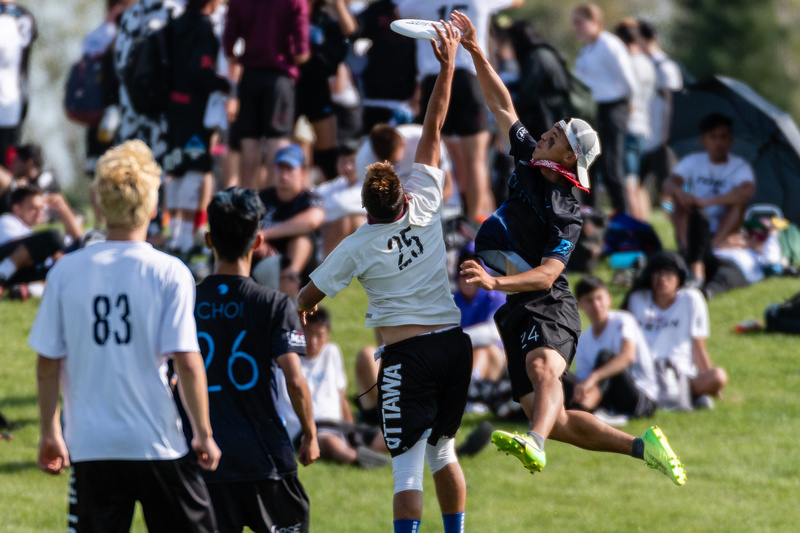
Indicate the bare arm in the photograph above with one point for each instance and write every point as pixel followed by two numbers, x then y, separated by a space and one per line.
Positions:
pixel 347 413
pixel 739 195
pixel 71 225
pixel 302 223
pixel 347 22
pixel 700 355
pixel 428 147
pixel 194 393
pixel 494 90
pixel 53 455
pixel 301 402
pixel 308 299
pixel 617 364
pixel 535 279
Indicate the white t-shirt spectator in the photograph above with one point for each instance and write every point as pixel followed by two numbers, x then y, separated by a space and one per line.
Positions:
pixel 402 264
pixel 340 199
pixel 605 67
pixel 326 382
pixel 643 90
pixel 705 179
pixel 751 262
pixel 479 11
pixel 669 332
pixel 114 311
pixel 621 325
pixel 669 79
pixel 12 228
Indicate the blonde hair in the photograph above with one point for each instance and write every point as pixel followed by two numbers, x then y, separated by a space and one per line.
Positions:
pixel 589 11
pixel 126 180
pixel 382 192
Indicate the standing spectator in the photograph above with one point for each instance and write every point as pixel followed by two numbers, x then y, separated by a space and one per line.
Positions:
pixel 674 319
pixel 638 130
pixel 341 200
pixel 330 28
pixel 388 80
pixel 17 33
pixel 140 19
pixel 659 158
pixel 340 439
pixel 275 38
pixel 466 129
pixel 613 365
pixel 256 484
pixel 399 258
pixel 543 88
pixel 194 77
pixel 710 191
pixel 604 65
pixel 99 44
pixel 294 214
pixel 111 316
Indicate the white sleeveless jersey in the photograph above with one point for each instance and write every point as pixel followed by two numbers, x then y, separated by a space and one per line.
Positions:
pixel 401 265
pixel 114 311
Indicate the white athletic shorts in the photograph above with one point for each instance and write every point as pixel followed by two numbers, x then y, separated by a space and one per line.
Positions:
pixel 183 192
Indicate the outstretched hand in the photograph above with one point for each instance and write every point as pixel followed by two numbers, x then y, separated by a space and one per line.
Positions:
pixel 445 52
pixel 476 275
pixel 468 37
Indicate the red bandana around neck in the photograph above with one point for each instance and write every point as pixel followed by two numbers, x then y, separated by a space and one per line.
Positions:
pixel 555 167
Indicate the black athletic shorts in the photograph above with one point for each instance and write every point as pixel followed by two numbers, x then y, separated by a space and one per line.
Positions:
pixel 266 104
pixel 422 384
pixel 174 497
pixel 189 147
pixel 265 505
pixel 467 114
pixel 313 99
pixel 530 320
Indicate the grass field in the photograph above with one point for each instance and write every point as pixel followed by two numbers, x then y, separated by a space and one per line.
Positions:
pixel 742 460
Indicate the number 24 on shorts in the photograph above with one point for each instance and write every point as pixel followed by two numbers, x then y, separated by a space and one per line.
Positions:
pixel 236 354
pixel 532 335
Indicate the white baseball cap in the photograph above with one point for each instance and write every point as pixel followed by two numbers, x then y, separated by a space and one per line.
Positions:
pixel 585 143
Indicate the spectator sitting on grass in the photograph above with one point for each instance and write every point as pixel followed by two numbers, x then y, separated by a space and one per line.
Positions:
pixel 340 439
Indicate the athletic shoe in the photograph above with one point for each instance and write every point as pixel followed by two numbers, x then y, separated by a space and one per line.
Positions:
pixel 522 447
pixel 477 440
pixel 611 419
pixel 368 458
pixel 658 454
pixel 703 402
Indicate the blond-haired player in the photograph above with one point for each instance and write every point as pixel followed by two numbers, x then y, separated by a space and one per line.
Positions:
pixel 111 316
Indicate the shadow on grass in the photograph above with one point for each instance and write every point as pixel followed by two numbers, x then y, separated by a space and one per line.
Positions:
pixel 17 401
pixel 19 466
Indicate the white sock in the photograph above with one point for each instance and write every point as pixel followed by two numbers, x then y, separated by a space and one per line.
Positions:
pixel 7 268
pixel 174 232
pixel 185 240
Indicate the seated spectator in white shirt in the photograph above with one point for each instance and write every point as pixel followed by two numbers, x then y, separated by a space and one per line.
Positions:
pixel 341 199
pixel 613 366
pixel 710 191
pixel 340 439
pixel 674 319
pixel 26 256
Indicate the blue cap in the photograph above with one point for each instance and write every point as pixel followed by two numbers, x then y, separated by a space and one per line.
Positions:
pixel 291 155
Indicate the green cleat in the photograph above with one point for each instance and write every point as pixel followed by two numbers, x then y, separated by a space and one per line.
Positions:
pixel 658 454
pixel 522 447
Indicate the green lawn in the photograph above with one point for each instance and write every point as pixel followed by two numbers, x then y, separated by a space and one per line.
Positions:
pixel 742 462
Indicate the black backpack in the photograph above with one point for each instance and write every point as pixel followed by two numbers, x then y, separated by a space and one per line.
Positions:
pixel 785 317
pixel 147 73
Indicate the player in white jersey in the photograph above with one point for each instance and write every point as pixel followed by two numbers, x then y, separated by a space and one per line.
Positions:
pixel 111 316
pixel 467 123
pixel 399 258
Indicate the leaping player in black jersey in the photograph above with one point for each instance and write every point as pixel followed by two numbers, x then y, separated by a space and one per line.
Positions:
pixel 529 239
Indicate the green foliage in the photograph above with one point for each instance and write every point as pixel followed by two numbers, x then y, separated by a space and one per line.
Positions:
pixel 738 38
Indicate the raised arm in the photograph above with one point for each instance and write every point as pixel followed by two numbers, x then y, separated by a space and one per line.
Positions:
pixel 494 90
pixel 428 147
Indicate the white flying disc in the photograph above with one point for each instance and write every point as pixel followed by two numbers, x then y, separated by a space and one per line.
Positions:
pixel 417 28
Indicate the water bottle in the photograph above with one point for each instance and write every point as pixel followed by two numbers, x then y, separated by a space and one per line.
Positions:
pixel 109 125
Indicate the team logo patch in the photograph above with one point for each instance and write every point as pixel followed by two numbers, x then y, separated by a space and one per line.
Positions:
pixel 195 148
pixel 296 339
pixel 521 133
pixel 222 288
pixel 564 248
